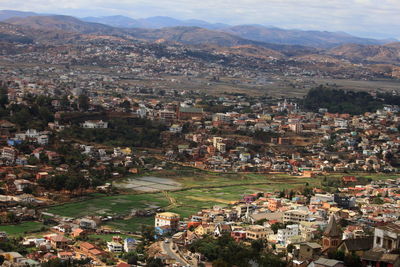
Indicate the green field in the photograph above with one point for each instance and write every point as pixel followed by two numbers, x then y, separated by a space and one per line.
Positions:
pixel 200 190
pixel 131 225
pixel 109 205
pixel 21 229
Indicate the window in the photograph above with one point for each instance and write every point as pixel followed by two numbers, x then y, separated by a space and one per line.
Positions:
pixel 378 240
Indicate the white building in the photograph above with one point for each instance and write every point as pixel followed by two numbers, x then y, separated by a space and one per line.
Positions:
pixel 175 128
pixel 114 247
pixel 129 244
pixel 285 234
pixel 95 124
pixel 167 219
pixel 42 139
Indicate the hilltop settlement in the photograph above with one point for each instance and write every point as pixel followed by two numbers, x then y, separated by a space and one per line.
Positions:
pixel 116 151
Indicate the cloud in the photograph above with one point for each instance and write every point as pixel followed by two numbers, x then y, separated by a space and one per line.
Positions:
pixel 366 17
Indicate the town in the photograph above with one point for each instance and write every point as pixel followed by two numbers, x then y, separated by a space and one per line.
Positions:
pixel 192 146
pixel 92 142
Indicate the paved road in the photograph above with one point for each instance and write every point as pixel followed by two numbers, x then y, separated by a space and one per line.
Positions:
pixel 167 247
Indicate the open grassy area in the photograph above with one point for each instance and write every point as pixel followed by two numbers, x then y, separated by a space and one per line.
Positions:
pixel 109 205
pixel 21 229
pixel 201 189
pixel 131 225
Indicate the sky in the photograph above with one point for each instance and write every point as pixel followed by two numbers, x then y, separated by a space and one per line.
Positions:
pixel 366 18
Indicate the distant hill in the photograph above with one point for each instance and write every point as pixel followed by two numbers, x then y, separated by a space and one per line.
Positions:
pixel 256 33
pixel 322 39
pixel 14 34
pixel 389 53
pixel 56 28
pixel 184 35
pixel 7 14
pixel 115 21
pixel 201 36
pixel 157 22
pixel 61 23
pixel 254 51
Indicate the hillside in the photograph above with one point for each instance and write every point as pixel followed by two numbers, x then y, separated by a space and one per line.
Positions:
pixel 254 51
pixel 61 23
pixel 201 36
pixel 115 21
pixel 7 14
pixel 65 28
pixel 368 53
pixel 157 22
pixel 322 39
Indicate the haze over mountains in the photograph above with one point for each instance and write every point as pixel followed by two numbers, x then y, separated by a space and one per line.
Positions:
pixel 257 33
pixel 252 40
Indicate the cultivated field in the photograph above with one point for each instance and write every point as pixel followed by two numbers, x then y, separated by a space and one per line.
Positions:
pixel 199 189
pixel 21 229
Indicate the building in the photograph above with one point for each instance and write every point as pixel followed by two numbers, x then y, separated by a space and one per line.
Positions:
pixel 357 245
pixel 345 202
pixel 221 147
pixel 387 237
pixel 373 258
pixel 129 244
pixel 175 128
pixel 296 216
pixel 9 153
pixel 185 113
pixel 322 262
pixel 169 219
pixel 115 247
pixel 274 204
pixel 87 224
pixel 255 232
pixel 308 251
pixel 332 235
pixel 290 231
pixel 167 115
pixel 59 242
pixel 98 124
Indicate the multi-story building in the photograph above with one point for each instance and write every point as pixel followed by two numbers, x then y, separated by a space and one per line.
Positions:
pixel 255 232
pixel 296 216
pixel 95 124
pixel 115 247
pixel 387 237
pixel 169 219
pixel 274 204
pixel 285 234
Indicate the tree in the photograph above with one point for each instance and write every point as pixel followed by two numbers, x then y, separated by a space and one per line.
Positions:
pixel 337 255
pixel 154 262
pixel 258 245
pixel 352 260
pixel 11 218
pixel 132 259
pixel 3 95
pixel 290 248
pixel 220 263
pixel 378 201
pixel 148 233
pixel 276 226
pixel 83 102
pixel 126 105
pixel 269 260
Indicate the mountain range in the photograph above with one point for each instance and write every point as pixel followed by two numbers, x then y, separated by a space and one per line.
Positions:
pixel 255 33
pixel 318 46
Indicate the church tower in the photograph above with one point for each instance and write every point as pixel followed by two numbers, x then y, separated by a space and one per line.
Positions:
pixel 332 235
